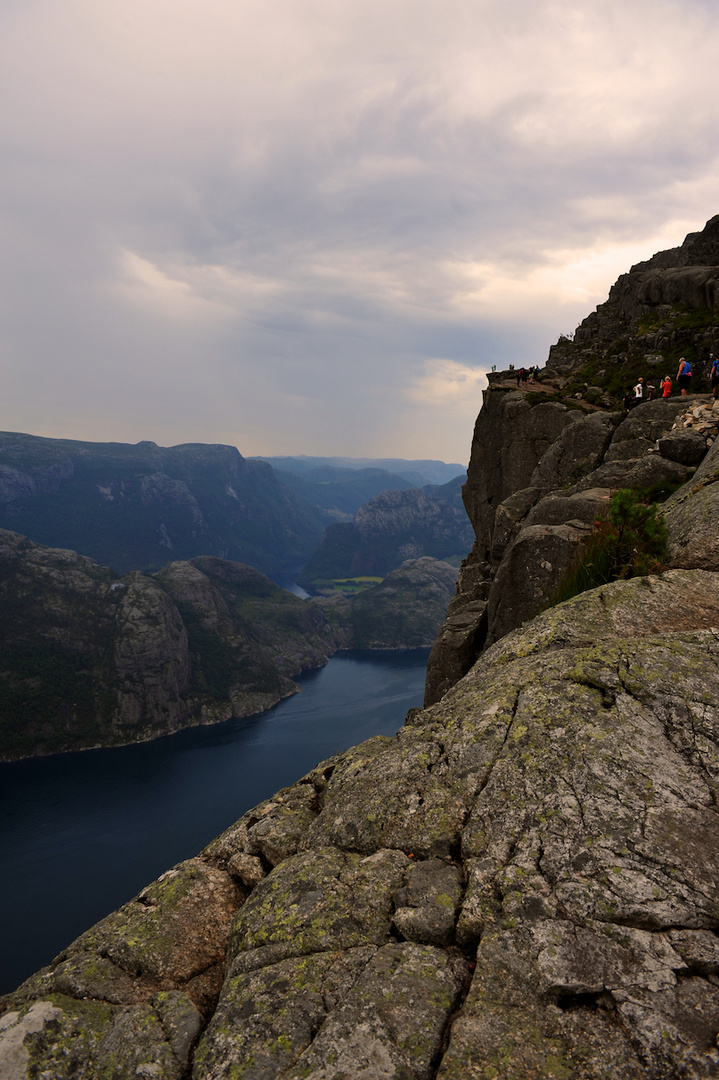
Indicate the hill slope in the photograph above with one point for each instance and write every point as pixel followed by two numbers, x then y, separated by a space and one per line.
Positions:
pixel 139 507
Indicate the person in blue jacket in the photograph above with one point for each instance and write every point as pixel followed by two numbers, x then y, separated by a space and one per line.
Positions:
pixel 684 375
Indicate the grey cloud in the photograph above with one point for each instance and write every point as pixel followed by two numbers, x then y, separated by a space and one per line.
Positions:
pixel 306 231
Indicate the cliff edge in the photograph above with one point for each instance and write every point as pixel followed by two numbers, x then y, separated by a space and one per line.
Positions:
pixel 547 456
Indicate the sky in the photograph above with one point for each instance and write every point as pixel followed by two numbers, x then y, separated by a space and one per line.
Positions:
pixel 311 226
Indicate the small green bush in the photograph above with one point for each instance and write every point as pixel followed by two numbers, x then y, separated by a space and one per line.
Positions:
pixel 629 542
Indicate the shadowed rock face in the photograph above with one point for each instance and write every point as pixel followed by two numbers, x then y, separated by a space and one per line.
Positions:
pixel 525 542
pixel 520 883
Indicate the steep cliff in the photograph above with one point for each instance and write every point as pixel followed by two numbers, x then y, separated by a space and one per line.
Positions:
pixel 546 458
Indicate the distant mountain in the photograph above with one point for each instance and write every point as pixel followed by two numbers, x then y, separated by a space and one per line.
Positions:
pixel 339 492
pixel 416 473
pixel 141 506
pixel 389 529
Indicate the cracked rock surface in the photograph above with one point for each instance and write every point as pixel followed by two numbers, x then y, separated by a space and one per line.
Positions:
pixel 522 883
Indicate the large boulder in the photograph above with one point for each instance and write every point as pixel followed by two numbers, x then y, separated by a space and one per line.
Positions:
pixel 530 572
pixel 577 450
pixel 691 515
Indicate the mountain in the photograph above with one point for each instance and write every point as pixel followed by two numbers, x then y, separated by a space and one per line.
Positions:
pixel 139 507
pixel 387 530
pixel 414 472
pixel 89 658
pixel 521 883
pixel 340 492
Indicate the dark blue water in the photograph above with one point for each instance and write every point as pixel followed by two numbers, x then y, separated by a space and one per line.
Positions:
pixel 82 833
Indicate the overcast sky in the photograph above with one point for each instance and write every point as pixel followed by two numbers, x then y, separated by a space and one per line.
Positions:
pixel 309 226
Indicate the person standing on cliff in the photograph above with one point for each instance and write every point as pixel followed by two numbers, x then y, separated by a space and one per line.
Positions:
pixel 640 392
pixel 684 375
pixel 714 375
pixel 666 386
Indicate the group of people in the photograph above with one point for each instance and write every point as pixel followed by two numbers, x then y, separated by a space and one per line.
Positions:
pixel 645 391
pixel 524 374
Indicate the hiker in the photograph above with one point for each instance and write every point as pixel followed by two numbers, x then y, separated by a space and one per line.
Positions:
pixel 651 392
pixel 684 375
pixel 640 392
pixel 520 376
pixel 714 374
pixel 666 386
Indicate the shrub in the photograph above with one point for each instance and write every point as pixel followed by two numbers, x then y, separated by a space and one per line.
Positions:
pixel 629 542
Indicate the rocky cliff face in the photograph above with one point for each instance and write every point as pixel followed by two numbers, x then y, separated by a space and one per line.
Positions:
pixel 526 536
pixel 546 458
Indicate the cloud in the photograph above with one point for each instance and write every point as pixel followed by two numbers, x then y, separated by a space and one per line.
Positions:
pixel 265 224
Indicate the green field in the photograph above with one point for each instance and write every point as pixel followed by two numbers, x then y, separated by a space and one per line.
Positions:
pixel 351 585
